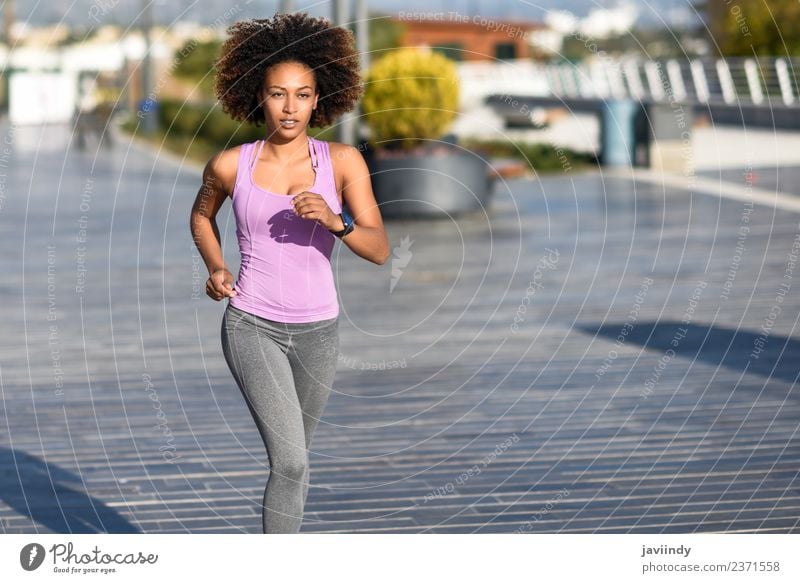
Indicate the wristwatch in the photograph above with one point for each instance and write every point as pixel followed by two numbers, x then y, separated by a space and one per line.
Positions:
pixel 349 225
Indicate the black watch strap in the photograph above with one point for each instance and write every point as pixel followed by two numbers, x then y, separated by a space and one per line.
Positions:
pixel 348 223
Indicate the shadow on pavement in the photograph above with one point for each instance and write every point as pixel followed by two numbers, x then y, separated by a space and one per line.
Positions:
pixel 44 492
pixel 735 349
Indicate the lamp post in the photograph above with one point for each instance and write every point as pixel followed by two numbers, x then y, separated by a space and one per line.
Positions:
pixel 8 14
pixel 346 131
pixel 148 105
pixel 362 32
pixel 362 41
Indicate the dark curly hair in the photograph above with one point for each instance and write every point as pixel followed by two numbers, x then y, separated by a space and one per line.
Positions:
pixel 255 45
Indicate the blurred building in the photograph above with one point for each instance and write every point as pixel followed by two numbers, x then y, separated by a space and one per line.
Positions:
pixel 45 74
pixel 470 38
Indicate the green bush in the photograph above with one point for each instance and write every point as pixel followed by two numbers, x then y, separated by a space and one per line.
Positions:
pixel 203 122
pixel 195 63
pixel 411 95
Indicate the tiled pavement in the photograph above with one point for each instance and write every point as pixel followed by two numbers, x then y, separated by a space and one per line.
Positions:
pixel 601 412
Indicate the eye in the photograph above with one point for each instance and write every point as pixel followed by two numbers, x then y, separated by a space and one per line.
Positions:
pixel 276 93
pixel 304 95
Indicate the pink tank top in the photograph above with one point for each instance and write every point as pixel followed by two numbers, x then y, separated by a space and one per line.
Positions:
pixel 285 273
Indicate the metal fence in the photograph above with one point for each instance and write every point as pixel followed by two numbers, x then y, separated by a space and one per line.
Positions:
pixel 771 82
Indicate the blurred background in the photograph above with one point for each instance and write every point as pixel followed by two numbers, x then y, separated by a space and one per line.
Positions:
pixel 589 322
pixel 113 57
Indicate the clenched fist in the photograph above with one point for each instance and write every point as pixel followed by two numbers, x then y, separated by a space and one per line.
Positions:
pixel 220 284
pixel 311 206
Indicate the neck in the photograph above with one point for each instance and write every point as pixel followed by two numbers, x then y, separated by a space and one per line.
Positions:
pixel 278 148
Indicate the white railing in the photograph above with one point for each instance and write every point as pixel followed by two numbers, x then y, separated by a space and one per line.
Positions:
pixel 763 81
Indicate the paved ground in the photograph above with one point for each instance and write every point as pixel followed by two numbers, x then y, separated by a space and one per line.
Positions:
pixel 594 355
pixel 784 179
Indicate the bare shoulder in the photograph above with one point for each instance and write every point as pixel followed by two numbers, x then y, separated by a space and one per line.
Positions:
pixel 345 156
pixel 221 169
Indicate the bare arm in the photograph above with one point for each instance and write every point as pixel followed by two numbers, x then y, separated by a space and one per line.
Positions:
pixel 368 239
pixel 218 178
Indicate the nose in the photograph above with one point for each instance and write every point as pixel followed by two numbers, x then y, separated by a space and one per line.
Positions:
pixel 289 106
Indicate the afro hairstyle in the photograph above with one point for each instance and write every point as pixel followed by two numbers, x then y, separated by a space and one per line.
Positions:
pixel 253 46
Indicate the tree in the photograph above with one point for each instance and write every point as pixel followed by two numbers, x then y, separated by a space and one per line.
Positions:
pixel 744 28
pixel 385 34
pixel 195 62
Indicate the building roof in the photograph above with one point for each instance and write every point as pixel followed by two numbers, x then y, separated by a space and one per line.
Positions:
pixel 441 20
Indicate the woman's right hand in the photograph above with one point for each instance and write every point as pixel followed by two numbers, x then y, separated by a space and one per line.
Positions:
pixel 220 284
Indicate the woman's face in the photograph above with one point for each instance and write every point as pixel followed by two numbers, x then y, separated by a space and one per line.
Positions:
pixel 289 93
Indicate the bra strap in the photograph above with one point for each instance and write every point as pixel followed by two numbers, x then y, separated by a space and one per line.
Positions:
pixel 313 151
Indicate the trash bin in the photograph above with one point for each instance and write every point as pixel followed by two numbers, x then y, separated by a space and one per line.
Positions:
pixel 618 132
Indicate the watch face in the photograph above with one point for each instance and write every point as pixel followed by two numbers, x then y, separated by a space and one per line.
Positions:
pixel 346 217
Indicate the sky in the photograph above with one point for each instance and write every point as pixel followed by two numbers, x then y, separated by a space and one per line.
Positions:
pixel 81 12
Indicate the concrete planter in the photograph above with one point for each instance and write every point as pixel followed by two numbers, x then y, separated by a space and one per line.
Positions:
pixel 432 183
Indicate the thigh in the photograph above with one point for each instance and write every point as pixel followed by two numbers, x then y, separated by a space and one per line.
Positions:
pixel 261 368
pixel 313 355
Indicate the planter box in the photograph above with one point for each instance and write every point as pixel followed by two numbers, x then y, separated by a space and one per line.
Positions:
pixel 435 183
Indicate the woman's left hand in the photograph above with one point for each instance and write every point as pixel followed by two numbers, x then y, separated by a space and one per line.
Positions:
pixel 310 205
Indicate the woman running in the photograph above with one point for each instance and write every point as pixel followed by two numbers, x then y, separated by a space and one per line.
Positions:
pixel 280 327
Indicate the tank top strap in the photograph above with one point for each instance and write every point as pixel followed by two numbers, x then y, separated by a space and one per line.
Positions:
pixel 242 163
pixel 245 164
pixel 252 159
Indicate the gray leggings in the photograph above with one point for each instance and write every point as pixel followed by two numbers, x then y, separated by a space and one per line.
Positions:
pixel 285 372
